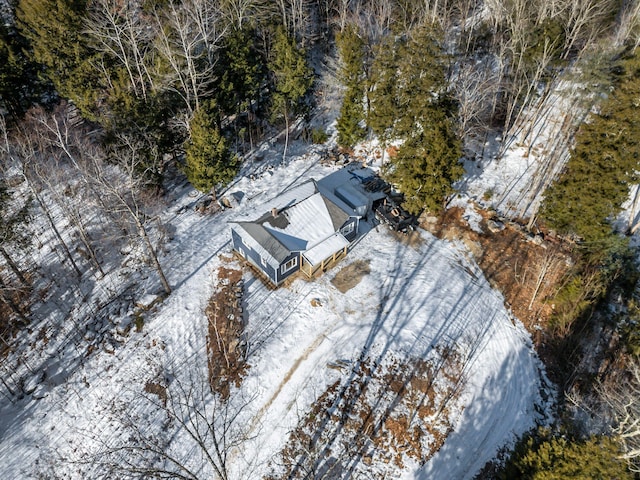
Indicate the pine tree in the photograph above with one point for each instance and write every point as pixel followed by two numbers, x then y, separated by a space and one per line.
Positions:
pixel 241 71
pixel 54 31
pixel 20 86
pixel 292 77
pixel 559 458
pixel 605 162
pixel 208 161
pixel 409 101
pixel 383 108
pixel 427 164
pixel 421 84
pixel 351 50
pixel 348 124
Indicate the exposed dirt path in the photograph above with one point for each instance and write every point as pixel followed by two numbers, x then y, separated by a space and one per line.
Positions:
pixel 350 276
pixel 305 355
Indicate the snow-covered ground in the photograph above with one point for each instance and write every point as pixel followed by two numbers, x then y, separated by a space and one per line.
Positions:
pixel 511 170
pixel 416 299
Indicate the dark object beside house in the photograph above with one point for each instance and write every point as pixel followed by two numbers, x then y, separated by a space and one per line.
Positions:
pixel 308 227
pixel 397 218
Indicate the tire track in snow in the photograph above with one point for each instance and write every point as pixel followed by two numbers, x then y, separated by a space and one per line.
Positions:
pixel 305 355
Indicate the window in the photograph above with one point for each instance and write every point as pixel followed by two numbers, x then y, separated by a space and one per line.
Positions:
pixel 290 265
pixel 347 229
pixel 263 261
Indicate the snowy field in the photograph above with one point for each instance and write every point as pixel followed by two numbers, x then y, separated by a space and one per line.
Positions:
pixel 416 300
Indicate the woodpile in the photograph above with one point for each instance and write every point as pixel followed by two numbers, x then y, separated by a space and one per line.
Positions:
pixel 226 346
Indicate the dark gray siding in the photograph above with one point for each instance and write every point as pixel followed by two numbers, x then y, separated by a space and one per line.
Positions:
pixel 350 236
pixel 281 277
pixel 252 256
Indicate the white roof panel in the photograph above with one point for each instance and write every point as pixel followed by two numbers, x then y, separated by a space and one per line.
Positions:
pixel 309 223
pixel 325 249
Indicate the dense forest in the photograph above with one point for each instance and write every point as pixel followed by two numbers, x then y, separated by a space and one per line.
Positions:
pixel 105 105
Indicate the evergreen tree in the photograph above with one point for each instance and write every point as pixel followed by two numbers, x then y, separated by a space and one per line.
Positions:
pixel 241 71
pixel 54 31
pixel 558 458
pixel 19 83
pixel 409 101
pixel 348 124
pixel 292 77
pixel 427 164
pixel 421 86
pixel 605 162
pixel 383 109
pixel 208 161
pixel 351 49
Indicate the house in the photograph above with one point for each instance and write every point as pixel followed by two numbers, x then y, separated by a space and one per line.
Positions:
pixel 306 228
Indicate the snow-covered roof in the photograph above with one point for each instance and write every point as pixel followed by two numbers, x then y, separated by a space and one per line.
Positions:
pixel 265 244
pixel 309 222
pixel 326 248
pixel 344 187
pixel 352 196
pixel 297 220
pixel 294 195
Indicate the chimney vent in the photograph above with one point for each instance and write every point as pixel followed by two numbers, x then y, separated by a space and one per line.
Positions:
pixel 274 212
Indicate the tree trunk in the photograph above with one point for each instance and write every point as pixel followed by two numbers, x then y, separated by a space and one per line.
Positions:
pixel 57 233
pixel 6 299
pixel 152 255
pixel 14 267
pixel 286 132
pixel 11 392
pixel 86 241
pixel 632 214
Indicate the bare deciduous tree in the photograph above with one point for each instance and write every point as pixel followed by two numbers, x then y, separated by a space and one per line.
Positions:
pixel 188 36
pixel 26 150
pixel 117 29
pixel 198 435
pixel 240 12
pixel 124 185
pixel 629 24
pixel 64 177
pixel 586 21
pixel 623 398
pixel 474 88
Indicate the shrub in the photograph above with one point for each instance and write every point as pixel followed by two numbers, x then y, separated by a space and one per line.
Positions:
pixel 319 135
pixel 139 322
pixel 543 456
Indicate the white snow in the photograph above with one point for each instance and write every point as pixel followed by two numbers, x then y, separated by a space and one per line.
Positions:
pixel 326 248
pixel 309 224
pixel 415 300
pixel 511 170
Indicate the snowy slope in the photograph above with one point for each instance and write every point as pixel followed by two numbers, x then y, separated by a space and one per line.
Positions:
pixel 511 170
pixel 416 299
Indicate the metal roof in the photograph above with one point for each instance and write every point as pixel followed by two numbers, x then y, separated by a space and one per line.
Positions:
pixel 298 227
pixel 326 248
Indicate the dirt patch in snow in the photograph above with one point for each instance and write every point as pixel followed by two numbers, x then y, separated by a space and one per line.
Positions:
pixel 157 389
pixel 225 346
pixel 374 420
pixel 351 275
